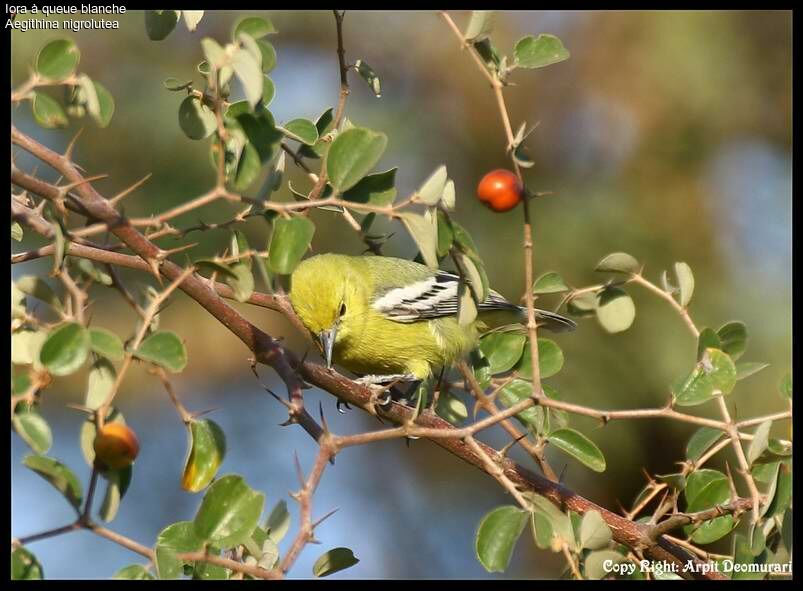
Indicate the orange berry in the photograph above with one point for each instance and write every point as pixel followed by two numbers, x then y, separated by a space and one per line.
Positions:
pixel 116 446
pixel 500 190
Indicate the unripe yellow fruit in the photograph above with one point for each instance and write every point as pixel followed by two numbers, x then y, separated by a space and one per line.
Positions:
pixel 116 446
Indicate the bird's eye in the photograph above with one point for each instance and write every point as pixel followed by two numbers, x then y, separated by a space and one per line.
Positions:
pixel 342 309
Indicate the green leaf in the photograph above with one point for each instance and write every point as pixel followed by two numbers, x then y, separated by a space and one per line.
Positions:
pixel 560 522
pixel 352 155
pixel 268 55
pixel 196 120
pixel 429 193
pixel 164 348
pixel 175 538
pixel 516 391
pixel 135 572
pixel 334 560
pixel 423 233
pixel 90 271
pixel 302 130
pixel 549 282
pixel 445 235
pixel 250 75
pixel 479 25
pixel 502 349
pixel 59 475
pixel 268 92
pixel 16 231
pixel 733 336
pixel 474 272
pixel 254 26
pixel 497 535
pixel 215 55
pixel 618 262
pixel 596 562
pixel 708 339
pixel 105 105
pixel 698 480
pixel 685 280
pixel 466 308
pixel 615 311
pixel 118 483
pixel 541 527
pixel 760 441
pixel 594 532
pixel 537 52
pixel 290 240
pixel 65 349
pixel 451 408
pixel 206 453
pixel 701 442
pixel 550 359
pixel 371 78
pixel 782 498
pixel 579 447
pixel 106 343
pixel 47 111
pixel 25 566
pixel 58 59
pixel 746 369
pixel 785 387
pixel 39 289
pixel 278 522
pixel 715 372
pixel 33 430
pixel 714 493
pixel 229 512
pixel 242 281
pixel 376 189
pixel 160 23
pixel 743 558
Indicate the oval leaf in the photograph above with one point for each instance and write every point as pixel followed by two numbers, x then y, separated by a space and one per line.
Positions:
pixel 164 348
pixel 550 359
pixel 550 282
pixel 502 349
pixel 685 280
pixel 105 343
pixel 594 532
pixel 229 512
pixel 58 59
pixel 352 155
pixel 25 566
pixel 160 23
pixel 196 120
pixel 207 449
pixel 701 442
pixel 334 560
pixel 733 336
pixel 715 372
pixel 33 430
pixel 65 349
pixel 616 310
pixel 254 26
pixel 59 475
pixel 497 535
pixel 537 52
pixel 579 447
pixel 48 112
pixel 290 240
pixel 424 234
pixel 374 189
pixel 618 262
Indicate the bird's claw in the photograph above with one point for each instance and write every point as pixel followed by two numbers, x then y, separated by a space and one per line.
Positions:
pixel 342 403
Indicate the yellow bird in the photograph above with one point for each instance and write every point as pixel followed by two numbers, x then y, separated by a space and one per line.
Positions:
pixel 388 319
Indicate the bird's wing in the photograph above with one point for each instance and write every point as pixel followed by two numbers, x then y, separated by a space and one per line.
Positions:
pixel 432 297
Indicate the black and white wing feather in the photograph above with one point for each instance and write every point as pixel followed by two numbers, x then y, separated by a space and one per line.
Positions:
pixel 434 297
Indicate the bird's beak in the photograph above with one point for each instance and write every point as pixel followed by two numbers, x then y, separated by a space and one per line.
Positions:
pixel 327 338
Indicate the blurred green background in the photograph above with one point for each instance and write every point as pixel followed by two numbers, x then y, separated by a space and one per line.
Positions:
pixel 666 135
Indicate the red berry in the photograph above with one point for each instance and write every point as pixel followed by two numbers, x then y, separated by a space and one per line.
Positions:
pixel 500 190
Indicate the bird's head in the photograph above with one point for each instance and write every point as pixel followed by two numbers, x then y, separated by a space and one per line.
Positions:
pixel 323 291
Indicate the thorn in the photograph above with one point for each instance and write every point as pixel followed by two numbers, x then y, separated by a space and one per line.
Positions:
pixel 71 145
pixel 299 473
pixel 163 254
pixel 323 418
pixel 125 192
pixel 153 264
pixel 562 473
pixel 325 517
pixel 65 188
pixel 503 452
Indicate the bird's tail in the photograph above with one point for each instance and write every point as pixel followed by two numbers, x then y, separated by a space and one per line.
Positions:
pixel 552 321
